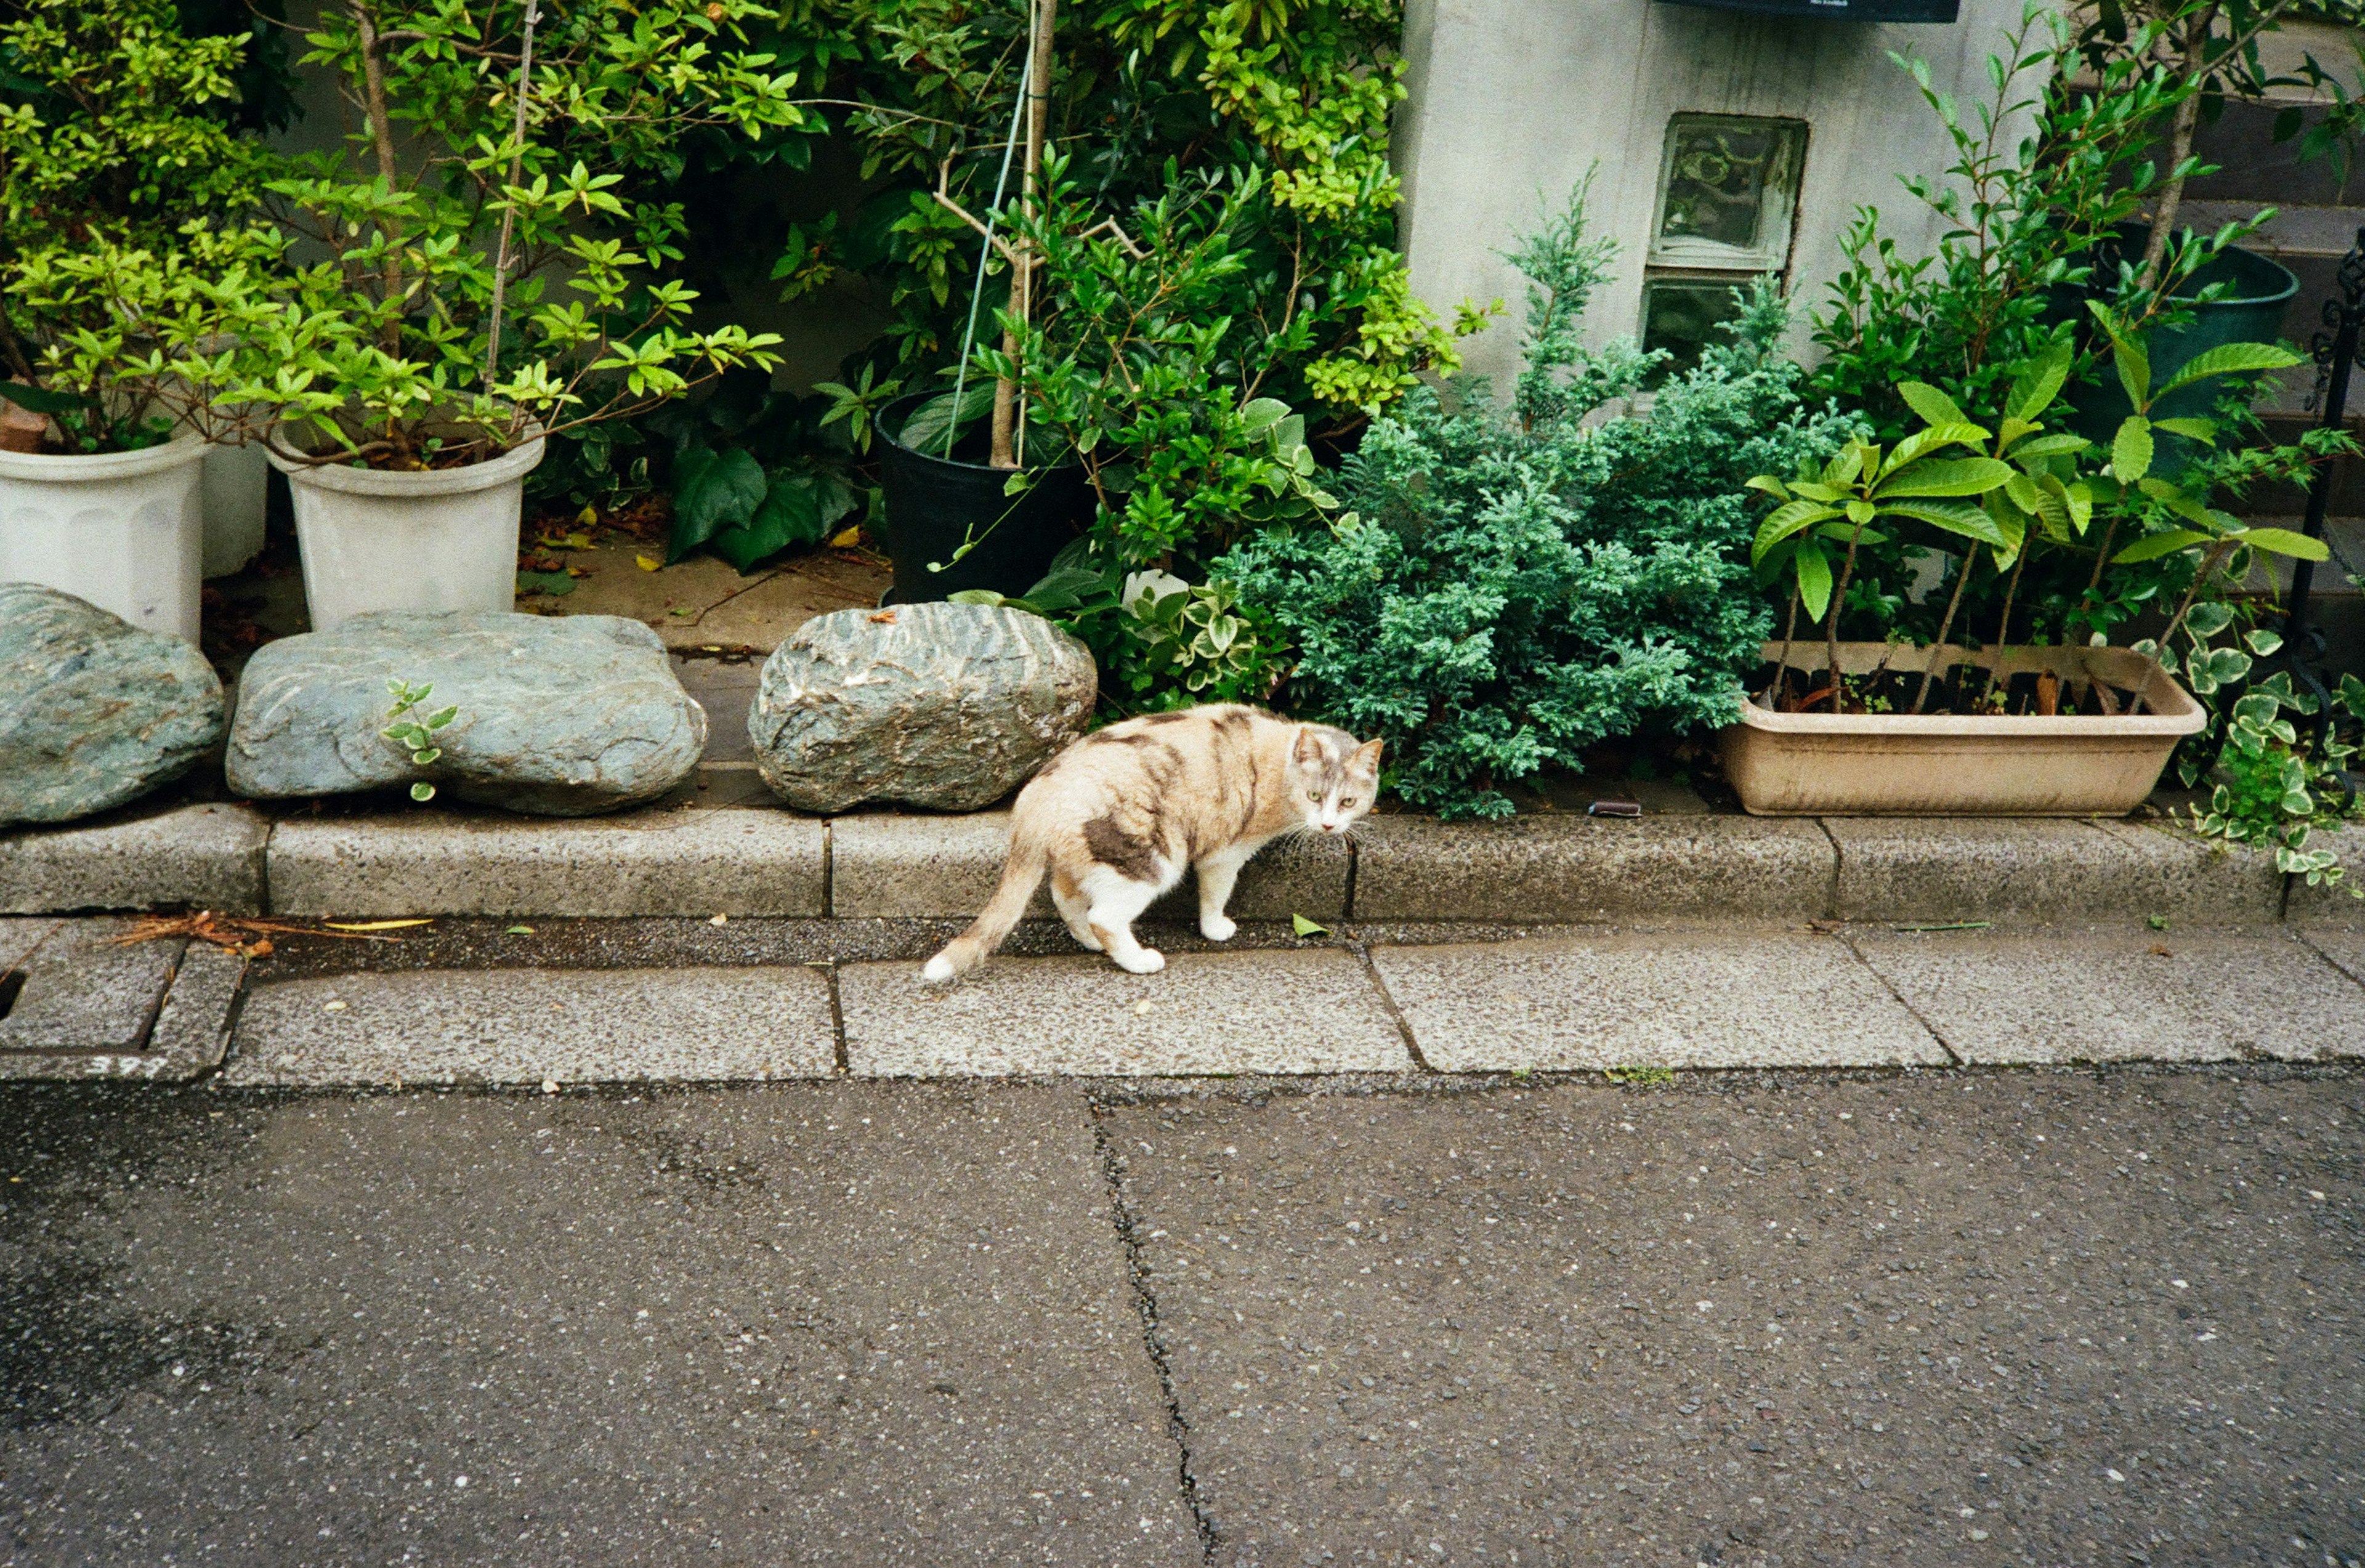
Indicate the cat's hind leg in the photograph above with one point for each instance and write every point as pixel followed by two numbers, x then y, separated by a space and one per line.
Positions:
pixel 1074 908
pixel 1116 901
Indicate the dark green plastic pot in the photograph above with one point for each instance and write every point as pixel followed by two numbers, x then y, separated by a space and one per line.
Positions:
pixel 936 503
pixel 2251 312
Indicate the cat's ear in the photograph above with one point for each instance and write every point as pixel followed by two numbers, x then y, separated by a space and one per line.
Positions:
pixel 1367 757
pixel 1307 750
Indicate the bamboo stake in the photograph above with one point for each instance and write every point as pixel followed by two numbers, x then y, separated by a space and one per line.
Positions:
pixel 509 211
pixel 1009 412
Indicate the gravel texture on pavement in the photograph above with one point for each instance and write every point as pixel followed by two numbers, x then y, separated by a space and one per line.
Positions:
pixel 1759 1320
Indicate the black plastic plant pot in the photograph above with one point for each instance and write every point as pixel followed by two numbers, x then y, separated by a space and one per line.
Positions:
pixel 2251 311
pixel 936 504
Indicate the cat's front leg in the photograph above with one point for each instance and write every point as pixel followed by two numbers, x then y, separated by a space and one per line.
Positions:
pixel 1217 873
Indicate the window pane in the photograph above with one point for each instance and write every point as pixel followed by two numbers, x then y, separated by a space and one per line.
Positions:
pixel 1682 317
pixel 1729 190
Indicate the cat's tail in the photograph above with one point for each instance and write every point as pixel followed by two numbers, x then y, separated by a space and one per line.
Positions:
pixel 1020 878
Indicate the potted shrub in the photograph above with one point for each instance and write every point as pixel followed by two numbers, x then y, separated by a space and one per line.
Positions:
pixel 1873 728
pixel 490 279
pixel 122 259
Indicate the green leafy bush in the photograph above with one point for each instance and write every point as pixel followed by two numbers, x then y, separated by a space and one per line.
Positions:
pixel 1514 586
pixel 125 204
pixel 502 156
pixel 2272 787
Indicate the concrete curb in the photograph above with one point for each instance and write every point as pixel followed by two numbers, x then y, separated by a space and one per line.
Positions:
pixel 763 862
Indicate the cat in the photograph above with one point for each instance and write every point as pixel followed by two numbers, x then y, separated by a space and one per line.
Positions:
pixel 1118 817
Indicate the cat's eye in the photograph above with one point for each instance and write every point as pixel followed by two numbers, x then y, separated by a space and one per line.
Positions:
pixel 1314 795
pixel 1345 801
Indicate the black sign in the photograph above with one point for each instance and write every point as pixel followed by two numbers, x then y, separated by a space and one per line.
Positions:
pixel 1838 10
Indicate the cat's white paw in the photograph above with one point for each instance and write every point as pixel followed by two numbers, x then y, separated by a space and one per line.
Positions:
pixel 937 971
pixel 1217 927
pixel 1143 961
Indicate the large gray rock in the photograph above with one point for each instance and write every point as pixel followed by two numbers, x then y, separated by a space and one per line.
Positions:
pixel 559 716
pixel 94 711
pixel 950 706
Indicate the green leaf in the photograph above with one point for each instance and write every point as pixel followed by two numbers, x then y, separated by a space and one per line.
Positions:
pixel 1971 522
pixel 2203 431
pixel 2228 664
pixel 1260 415
pixel 1306 927
pixel 1945 476
pixel 556 584
pixel 2059 445
pixel 1923 442
pixel 985 597
pixel 1786 520
pixel 712 492
pixel 42 399
pixel 2229 359
pixel 926 431
pixel 2209 618
pixel 1935 407
pixel 2284 541
pixel 2131 450
pixel 2263 642
pixel 2134 366
pixel 422 791
pixel 2033 389
pixel 2153 546
pixel 1814 571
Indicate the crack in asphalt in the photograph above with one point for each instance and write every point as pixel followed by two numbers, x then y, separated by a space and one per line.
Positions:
pixel 1153 1337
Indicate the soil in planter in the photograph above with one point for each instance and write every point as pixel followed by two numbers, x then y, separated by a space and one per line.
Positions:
pixel 1964 691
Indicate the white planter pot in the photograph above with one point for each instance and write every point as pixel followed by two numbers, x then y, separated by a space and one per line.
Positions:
pixel 1945 765
pixel 238 484
pixel 124 530
pixel 377 539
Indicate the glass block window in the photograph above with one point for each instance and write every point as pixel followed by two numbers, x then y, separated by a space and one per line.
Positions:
pixel 1681 315
pixel 1728 207
pixel 1728 192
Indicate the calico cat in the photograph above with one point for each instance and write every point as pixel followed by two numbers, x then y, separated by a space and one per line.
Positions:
pixel 1118 817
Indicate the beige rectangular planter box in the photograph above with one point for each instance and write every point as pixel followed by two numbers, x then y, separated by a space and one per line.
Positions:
pixel 1939 765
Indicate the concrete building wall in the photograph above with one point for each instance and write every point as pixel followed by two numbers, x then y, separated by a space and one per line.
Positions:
pixel 1512 101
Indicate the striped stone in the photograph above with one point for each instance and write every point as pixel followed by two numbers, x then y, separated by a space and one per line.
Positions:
pixel 947 706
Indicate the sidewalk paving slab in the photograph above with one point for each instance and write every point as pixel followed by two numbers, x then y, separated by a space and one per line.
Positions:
pixel 494 1026
pixel 756 862
pixel 2112 995
pixel 2344 946
pixel 892 864
pixel 1913 1319
pixel 1936 868
pixel 842 1326
pixel 205 857
pixel 20 934
pixel 1312 1011
pixel 87 1004
pixel 1679 999
pixel 1573 867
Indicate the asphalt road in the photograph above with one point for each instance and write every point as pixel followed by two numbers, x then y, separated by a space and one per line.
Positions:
pixel 2034 1317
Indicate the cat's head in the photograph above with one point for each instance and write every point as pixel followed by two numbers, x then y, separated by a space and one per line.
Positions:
pixel 1332 779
